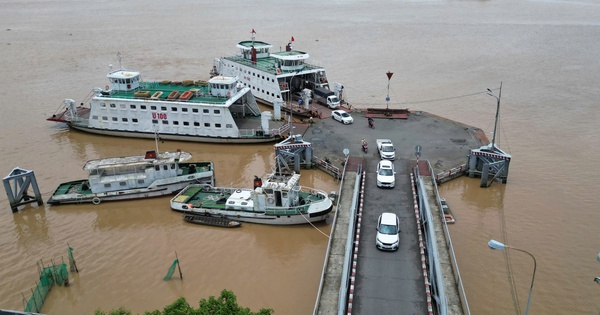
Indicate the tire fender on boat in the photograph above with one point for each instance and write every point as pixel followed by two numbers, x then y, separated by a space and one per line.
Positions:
pixel 96 201
pixel 270 200
pixel 238 191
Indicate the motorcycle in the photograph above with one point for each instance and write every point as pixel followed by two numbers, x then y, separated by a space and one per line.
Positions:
pixel 371 123
pixel 365 147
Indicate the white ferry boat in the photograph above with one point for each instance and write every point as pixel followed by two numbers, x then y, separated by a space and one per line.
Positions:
pixel 280 77
pixel 280 200
pixel 131 177
pixel 220 111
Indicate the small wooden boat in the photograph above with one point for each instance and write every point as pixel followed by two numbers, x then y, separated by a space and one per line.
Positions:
pixel 156 95
pixel 142 94
pixel 173 95
pixel 210 220
pixel 186 95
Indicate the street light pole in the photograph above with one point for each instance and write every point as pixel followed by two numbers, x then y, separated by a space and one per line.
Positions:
pixel 499 246
pixel 497 113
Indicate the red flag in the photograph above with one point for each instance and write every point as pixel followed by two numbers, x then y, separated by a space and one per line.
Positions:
pixel 292 38
pixel 389 75
pixel 253 32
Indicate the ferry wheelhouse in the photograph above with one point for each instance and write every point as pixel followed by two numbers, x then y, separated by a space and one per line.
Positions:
pixel 220 110
pixel 276 77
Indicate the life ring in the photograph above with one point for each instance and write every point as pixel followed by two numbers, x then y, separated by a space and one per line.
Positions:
pixel 106 88
pixel 238 191
pixel 228 94
pixel 270 200
pixel 278 71
pixel 284 86
pixel 96 201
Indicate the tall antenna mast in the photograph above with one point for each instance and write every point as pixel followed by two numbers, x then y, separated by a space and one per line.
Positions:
pixel 119 57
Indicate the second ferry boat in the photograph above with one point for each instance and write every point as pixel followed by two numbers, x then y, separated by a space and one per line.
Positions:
pixel 282 77
pixel 220 111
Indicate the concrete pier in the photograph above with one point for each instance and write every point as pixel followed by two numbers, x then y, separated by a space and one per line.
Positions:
pixel 444 148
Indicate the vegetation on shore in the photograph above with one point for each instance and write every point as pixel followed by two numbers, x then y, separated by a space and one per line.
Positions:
pixel 225 304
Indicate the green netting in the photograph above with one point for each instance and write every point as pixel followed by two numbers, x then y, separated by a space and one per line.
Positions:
pixel 48 277
pixel 171 270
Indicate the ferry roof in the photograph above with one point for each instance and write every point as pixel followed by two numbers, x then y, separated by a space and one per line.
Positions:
pixel 162 158
pixel 123 74
pixel 160 91
pixel 247 44
pixel 267 65
pixel 290 55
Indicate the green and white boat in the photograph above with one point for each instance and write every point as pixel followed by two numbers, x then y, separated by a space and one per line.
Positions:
pixel 279 200
pixel 133 177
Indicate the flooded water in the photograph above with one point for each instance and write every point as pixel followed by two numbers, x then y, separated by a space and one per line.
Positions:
pixel 444 55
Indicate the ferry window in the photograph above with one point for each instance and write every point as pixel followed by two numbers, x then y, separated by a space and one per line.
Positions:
pixel 217 111
pixel 94 117
pixel 142 107
pixel 165 122
pixel 123 106
pixel 134 120
pixel 184 109
pixel 194 110
pixel 102 104
pixel 185 123
pixel 132 106
pixel 140 181
pixel 113 105
pixel 107 185
pixel 176 123
pixel 174 109
pixel 163 108
pixel 124 119
pixel 122 184
pixel 172 166
pixel 104 118
pixel 207 125
pixel 263 77
pixel 157 167
pixel 205 111
pixel 196 124
pixel 154 121
pixel 217 125
pixel 165 167
pixel 153 107
pixel 228 126
pixel 115 119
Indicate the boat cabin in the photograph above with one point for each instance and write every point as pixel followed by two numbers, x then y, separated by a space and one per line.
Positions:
pixel 223 86
pixel 253 50
pixel 292 60
pixel 124 80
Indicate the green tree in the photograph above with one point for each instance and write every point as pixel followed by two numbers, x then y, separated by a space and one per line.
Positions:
pixel 225 304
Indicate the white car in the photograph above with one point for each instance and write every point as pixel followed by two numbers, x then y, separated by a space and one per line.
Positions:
pixel 342 116
pixel 388 231
pixel 386 176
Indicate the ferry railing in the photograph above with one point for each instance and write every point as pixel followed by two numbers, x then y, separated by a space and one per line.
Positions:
pixel 349 245
pixel 457 277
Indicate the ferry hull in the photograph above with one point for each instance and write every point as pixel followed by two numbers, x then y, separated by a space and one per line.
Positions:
pixel 165 136
pixel 261 218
